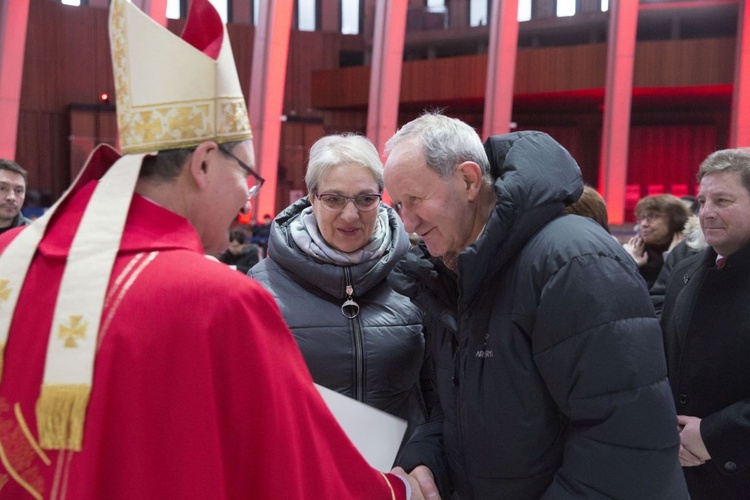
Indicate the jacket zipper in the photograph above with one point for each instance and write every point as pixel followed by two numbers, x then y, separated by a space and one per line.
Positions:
pixel 359 361
pixel 457 382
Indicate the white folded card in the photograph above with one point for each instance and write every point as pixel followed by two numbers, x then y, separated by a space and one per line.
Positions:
pixel 376 434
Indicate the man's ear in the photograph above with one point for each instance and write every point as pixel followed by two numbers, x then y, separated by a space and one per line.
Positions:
pixel 201 161
pixel 471 178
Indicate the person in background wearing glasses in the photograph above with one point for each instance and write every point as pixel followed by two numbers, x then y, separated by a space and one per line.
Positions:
pixel 328 257
pixel 661 219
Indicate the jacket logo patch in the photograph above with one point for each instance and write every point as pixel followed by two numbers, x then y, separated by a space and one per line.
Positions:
pixel 484 354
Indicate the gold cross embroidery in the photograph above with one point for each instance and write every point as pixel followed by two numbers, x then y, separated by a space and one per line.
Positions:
pixel 4 290
pixel 190 118
pixel 149 127
pixel 74 331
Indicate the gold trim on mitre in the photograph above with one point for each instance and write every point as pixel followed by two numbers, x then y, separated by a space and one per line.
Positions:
pixel 169 93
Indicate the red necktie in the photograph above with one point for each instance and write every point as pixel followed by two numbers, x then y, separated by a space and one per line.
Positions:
pixel 720 262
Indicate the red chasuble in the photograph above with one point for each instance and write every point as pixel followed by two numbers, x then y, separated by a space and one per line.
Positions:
pixel 199 390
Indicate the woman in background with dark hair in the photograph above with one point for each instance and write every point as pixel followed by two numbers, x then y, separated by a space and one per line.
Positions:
pixel 591 205
pixel 660 219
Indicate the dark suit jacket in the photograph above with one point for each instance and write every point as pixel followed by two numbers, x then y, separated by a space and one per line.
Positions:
pixel 706 324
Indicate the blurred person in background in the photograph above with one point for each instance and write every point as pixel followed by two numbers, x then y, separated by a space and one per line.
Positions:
pixel 591 205
pixel 660 219
pixel 241 254
pixel 12 193
pixel 693 243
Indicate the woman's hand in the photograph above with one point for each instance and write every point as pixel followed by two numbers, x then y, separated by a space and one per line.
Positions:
pixel 637 249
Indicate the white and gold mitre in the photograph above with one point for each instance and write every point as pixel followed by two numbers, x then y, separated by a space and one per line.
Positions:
pixel 171 93
pixel 174 92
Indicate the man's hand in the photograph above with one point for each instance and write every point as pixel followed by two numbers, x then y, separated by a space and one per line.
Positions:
pixel 637 249
pixel 416 492
pixel 692 450
pixel 423 475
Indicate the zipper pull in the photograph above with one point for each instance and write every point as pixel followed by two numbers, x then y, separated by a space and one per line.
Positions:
pixel 353 307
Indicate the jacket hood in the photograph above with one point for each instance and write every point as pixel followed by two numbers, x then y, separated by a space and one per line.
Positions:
pixel 326 277
pixel 535 178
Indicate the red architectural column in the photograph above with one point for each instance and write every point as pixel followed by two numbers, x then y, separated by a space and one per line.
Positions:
pixel 156 9
pixel 385 73
pixel 14 18
pixel 501 67
pixel 739 135
pixel 267 81
pixel 613 164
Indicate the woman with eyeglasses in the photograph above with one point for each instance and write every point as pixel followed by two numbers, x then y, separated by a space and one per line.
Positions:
pixel 660 219
pixel 328 258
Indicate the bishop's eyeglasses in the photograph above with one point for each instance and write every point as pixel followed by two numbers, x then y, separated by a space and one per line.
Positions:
pixel 252 190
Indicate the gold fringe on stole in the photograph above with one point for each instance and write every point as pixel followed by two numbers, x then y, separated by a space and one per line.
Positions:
pixel 60 415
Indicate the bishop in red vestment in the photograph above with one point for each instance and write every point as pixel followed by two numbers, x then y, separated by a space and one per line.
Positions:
pixel 199 392
pixel 132 366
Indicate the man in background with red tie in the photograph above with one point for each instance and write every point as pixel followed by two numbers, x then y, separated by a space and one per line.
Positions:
pixel 706 323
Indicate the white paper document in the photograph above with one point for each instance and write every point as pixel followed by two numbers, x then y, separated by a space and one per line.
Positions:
pixel 376 434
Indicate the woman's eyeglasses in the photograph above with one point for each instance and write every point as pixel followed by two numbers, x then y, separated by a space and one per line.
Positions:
pixel 252 190
pixel 648 218
pixel 336 202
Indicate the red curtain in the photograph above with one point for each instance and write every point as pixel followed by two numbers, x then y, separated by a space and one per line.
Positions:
pixel 665 159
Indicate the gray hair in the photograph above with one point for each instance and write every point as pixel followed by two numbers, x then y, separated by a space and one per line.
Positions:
pixel 728 160
pixel 694 237
pixel 446 143
pixel 342 149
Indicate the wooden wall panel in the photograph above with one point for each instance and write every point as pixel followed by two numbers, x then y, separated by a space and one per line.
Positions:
pixel 296 141
pixel 558 69
pixel 677 63
pixel 341 88
pixel 43 150
pixel 67 62
pixel 89 127
pixel 67 56
pixel 446 79
pixel 670 63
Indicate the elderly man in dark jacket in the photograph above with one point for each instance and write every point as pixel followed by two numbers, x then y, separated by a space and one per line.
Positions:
pixel 707 330
pixel 549 360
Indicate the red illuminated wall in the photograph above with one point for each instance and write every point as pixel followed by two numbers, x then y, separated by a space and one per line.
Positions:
pixel 665 159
